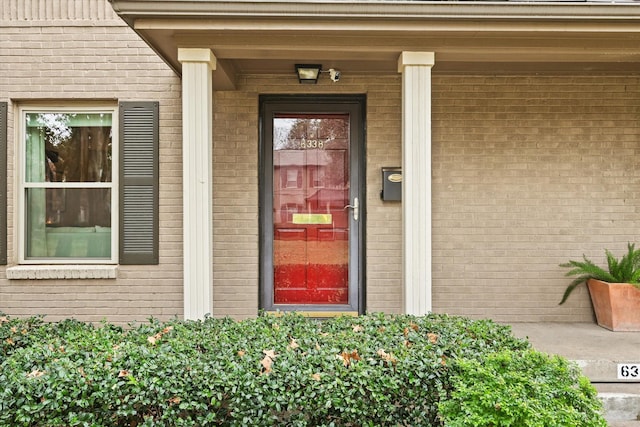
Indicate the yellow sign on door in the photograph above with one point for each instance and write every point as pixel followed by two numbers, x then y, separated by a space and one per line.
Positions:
pixel 313 218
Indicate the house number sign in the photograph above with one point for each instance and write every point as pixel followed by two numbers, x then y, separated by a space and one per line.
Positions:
pixel 629 371
pixel 313 143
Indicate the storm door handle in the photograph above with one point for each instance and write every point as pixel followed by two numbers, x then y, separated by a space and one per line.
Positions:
pixel 356 208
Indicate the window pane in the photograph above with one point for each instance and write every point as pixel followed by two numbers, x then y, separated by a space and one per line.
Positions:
pixel 310 222
pixel 68 147
pixel 68 222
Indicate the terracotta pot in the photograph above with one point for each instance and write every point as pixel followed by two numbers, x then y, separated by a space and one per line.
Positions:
pixel 617 305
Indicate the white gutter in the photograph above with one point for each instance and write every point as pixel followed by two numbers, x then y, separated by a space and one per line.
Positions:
pixel 451 10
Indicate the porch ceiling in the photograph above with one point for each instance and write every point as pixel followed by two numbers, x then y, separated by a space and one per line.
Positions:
pixel 252 37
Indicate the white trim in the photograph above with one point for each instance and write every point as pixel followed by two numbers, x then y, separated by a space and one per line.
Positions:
pixel 157 13
pixel 51 272
pixel 197 131
pixel 205 56
pixel 21 184
pixel 416 181
pixel 406 59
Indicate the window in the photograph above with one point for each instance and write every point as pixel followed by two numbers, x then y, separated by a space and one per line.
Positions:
pixel 88 189
pixel 68 192
pixel 292 178
pixel 317 177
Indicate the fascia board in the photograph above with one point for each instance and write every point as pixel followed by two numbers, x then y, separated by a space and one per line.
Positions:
pixel 392 10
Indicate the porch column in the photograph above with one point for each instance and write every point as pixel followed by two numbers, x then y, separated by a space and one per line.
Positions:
pixel 197 130
pixel 416 182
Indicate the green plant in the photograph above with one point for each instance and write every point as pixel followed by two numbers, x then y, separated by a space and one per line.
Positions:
pixel 623 270
pixel 520 389
pixel 369 370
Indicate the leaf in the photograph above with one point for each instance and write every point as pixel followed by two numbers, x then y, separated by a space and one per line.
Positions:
pixel 241 353
pixel 266 363
pixel 358 328
pixel 316 377
pixel 570 288
pixel 174 400
pixel 293 344
pixel 433 338
pixel 389 358
pixel 4 319
pixel 123 373
pixel 347 357
pixel 152 339
pixel 35 374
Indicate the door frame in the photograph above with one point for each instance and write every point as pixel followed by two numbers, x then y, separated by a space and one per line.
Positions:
pixel 355 105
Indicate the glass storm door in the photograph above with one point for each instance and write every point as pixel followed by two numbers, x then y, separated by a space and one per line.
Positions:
pixel 311 247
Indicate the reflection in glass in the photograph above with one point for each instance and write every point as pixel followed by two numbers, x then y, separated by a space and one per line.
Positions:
pixel 65 219
pixel 68 147
pixel 311 225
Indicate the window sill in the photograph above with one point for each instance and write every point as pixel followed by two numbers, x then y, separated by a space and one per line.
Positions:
pixel 49 272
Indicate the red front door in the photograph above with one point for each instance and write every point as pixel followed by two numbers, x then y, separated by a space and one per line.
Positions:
pixel 311 217
pixel 311 226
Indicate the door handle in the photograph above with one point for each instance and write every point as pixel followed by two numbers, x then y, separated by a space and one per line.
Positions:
pixel 356 208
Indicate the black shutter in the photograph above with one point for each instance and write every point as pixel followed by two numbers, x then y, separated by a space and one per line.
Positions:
pixel 139 182
pixel 3 183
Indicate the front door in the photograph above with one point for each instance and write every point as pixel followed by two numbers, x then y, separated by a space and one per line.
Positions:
pixel 312 204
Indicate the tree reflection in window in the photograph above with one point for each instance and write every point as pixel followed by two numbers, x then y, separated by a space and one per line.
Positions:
pixel 65 151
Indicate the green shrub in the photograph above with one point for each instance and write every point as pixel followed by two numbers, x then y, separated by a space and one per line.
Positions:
pixel 520 389
pixel 374 370
pixel 17 333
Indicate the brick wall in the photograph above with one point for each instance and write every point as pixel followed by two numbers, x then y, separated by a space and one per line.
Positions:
pixel 78 50
pixel 528 172
pixel 235 204
pixel 51 12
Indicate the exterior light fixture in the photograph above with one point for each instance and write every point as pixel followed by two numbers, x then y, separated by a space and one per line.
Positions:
pixel 308 73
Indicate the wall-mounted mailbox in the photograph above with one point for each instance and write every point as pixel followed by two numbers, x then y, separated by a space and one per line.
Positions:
pixel 391 184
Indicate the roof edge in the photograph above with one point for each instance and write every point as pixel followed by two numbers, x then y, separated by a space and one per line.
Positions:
pixel 456 10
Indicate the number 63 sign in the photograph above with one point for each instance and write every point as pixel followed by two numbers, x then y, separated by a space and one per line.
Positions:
pixel 629 371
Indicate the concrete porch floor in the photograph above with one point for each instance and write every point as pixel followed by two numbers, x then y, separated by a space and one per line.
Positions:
pixel 598 352
pixel 581 341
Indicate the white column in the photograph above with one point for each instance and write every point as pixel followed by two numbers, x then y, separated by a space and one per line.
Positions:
pixel 416 179
pixel 197 129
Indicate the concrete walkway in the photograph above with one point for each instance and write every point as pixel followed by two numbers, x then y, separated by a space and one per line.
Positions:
pixel 581 341
pixel 598 352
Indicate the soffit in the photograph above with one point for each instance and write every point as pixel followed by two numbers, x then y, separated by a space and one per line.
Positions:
pixel 251 37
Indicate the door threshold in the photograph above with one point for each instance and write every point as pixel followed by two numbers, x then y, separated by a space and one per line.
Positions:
pixel 316 314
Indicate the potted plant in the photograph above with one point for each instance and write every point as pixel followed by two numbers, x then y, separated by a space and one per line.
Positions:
pixel 615 291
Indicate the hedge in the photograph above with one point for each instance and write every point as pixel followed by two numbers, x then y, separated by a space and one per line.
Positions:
pixel 373 370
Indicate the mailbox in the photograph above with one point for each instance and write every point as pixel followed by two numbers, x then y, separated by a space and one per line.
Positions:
pixel 391 184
